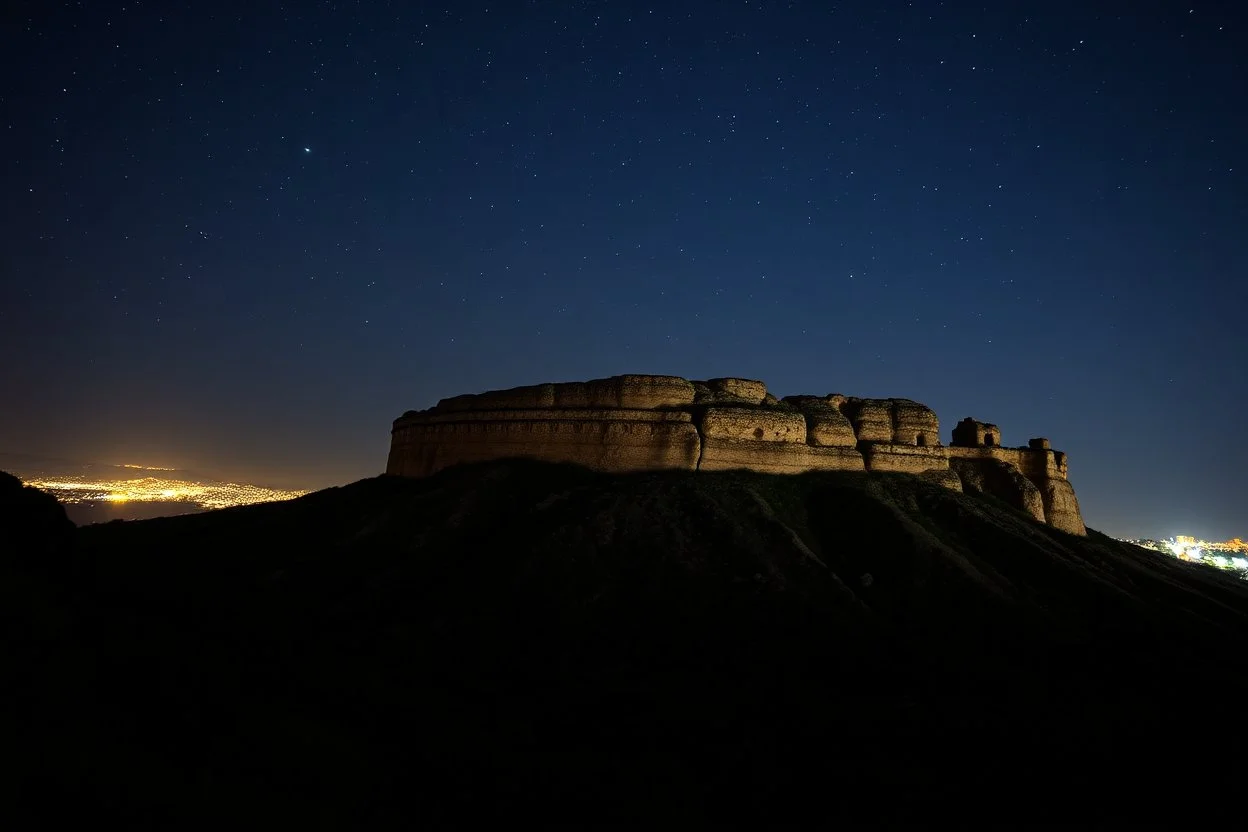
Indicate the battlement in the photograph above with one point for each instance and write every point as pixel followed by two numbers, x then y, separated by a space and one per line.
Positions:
pixel 972 434
pixel 644 422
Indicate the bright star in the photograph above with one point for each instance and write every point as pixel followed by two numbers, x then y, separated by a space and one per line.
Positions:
pixel 307 150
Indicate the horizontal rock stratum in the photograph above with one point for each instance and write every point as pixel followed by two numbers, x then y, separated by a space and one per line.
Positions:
pixel 643 423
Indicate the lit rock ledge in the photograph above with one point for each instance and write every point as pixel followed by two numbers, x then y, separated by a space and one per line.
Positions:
pixel 730 391
pixel 632 391
pixel 754 423
pixel 826 425
pixel 910 459
pixel 775 457
pixel 420 449
pixel 648 423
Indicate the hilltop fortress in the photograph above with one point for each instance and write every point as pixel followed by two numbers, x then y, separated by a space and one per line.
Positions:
pixel 638 423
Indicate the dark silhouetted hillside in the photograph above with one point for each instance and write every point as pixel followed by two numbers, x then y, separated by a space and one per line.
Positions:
pixel 520 640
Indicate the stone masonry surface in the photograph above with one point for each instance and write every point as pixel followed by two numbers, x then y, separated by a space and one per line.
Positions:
pixel 646 422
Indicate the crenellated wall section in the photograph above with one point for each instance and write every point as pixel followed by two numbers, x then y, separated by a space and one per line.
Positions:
pixel 640 422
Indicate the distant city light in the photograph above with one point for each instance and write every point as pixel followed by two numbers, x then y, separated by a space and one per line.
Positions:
pixel 1228 554
pixel 209 495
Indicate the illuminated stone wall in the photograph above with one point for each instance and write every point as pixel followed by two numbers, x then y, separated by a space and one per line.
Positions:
pixel 641 423
pixel 978 457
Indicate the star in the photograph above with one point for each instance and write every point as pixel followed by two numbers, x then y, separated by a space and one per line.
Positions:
pixel 307 150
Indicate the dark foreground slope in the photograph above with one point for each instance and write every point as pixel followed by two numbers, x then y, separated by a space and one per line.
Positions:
pixel 518 638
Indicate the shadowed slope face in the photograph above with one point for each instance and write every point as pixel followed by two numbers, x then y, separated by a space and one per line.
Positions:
pixel 32 523
pixel 521 636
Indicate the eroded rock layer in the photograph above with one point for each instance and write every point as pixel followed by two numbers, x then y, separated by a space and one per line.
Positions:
pixel 643 422
pixel 720 454
pixel 606 443
pixel 1002 480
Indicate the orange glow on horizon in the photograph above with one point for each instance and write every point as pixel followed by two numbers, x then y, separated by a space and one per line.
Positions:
pixel 210 495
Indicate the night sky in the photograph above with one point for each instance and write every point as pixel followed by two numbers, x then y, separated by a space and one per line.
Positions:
pixel 246 237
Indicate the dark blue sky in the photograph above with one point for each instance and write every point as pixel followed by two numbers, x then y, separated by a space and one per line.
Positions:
pixel 247 236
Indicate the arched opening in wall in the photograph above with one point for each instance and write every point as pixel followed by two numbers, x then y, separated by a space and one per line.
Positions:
pixel 920 439
pixel 990 439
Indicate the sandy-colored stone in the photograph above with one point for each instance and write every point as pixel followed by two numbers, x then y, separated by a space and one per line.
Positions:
pixel 643 422
pixel 754 424
pixel 607 445
pixel 720 454
pixel 747 390
pixel 971 434
pixel 1043 467
pixel 654 391
pixel 628 391
pixel 1035 464
pixel 899 421
pixel 872 419
pixel 598 414
pixel 944 477
pixel 702 394
pixel 914 423
pixel 1061 506
pixel 826 425
pixel 1001 480
pixel 534 396
pixel 1059 462
pixel 910 459
pixel 705 396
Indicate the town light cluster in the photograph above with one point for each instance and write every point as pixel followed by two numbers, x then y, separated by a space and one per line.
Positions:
pixel 1229 554
pixel 209 495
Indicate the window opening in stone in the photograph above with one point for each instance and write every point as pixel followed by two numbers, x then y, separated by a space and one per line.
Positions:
pixel 989 439
pixel 920 439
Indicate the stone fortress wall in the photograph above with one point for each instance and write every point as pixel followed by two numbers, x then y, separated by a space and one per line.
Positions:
pixel 640 422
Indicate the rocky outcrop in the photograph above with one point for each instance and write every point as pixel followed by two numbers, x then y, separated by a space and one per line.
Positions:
pixel 914 423
pixel 900 421
pixel 630 391
pixel 871 419
pixel 826 425
pixel 981 461
pixel 772 436
pixel 1061 507
pixel 754 424
pixel 909 459
pixel 644 422
pixel 608 441
pixel 1001 480
pixel 947 478
pixel 33 525
pixel 775 457
pixel 731 390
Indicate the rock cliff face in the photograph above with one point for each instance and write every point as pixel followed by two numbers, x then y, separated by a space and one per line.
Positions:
pixel 639 422
pixel 983 465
